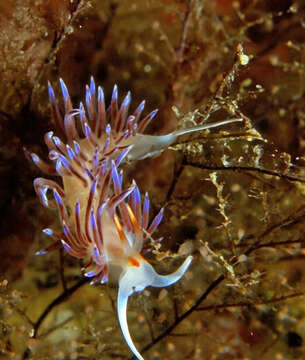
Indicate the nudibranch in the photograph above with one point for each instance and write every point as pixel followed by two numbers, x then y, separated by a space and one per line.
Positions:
pixel 112 126
pixel 104 222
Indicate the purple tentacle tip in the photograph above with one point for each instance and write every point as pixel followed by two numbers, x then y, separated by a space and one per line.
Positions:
pixel 126 100
pixel 57 197
pixel 115 93
pixel 64 89
pixel 48 232
pixel 92 86
pixel 51 93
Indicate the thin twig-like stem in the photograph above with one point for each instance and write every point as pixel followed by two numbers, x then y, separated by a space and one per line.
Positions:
pixel 56 45
pixel 56 327
pixel 227 79
pixel 245 303
pixel 186 25
pixel 290 220
pixel 247 168
pixel 149 324
pixel 23 314
pixel 57 301
pixel 177 172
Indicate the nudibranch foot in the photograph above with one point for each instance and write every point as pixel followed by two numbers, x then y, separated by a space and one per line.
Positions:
pixel 136 277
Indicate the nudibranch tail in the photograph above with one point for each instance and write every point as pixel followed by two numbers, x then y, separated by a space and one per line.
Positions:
pixel 136 278
pixel 150 145
pixel 205 126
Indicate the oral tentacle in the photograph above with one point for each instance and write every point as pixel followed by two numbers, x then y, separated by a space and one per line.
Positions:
pixel 136 279
pixel 122 314
pixel 167 280
pixel 150 145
